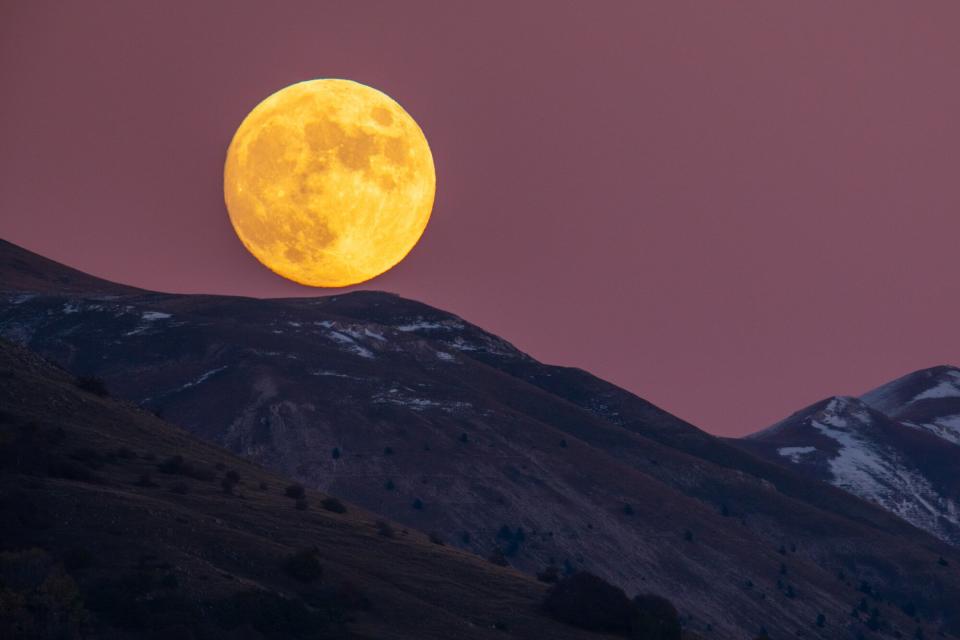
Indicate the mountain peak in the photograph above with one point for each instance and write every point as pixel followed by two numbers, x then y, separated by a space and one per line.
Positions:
pixel 844 410
pixel 931 384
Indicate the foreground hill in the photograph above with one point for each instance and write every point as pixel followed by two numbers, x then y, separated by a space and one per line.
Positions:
pixel 109 534
pixel 418 415
pixel 897 446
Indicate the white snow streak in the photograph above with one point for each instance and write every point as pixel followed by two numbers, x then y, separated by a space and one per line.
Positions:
pixel 795 453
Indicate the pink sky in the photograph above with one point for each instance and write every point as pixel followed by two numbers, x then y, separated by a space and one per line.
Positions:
pixel 732 209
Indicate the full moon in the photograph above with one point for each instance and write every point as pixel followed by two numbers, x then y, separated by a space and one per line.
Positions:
pixel 329 182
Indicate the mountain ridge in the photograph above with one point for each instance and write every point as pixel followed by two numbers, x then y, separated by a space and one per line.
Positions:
pixel 414 413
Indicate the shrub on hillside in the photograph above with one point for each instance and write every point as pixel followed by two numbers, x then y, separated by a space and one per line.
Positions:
pixel 590 602
pixel 304 565
pixel 229 481
pixel 89 457
pixel 37 598
pixel 655 618
pixel 384 529
pixel 550 574
pixel 295 491
pixel 302 504
pixel 93 384
pixel 70 470
pixel 498 558
pixel 334 505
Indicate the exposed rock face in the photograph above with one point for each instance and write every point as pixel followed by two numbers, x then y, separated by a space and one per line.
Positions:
pixel 417 414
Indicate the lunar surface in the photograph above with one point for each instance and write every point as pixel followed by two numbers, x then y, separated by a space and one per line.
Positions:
pixel 329 182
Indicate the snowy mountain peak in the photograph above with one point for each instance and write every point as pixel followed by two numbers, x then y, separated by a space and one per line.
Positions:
pixel 928 399
pixel 895 446
pixel 926 384
pixel 844 411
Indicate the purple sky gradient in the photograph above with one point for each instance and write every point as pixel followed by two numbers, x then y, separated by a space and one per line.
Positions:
pixel 732 209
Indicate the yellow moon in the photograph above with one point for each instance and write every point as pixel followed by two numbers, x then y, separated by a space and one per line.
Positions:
pixel 329 182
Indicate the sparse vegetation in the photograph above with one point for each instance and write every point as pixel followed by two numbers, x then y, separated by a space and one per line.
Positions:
pixel 435 538
pixel 302 504
pixel 37 599
pixel 177 465
pixel 417 504
pixel 384 529
pixel 335 453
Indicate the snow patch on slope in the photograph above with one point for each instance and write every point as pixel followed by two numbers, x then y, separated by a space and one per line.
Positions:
pixel 795 453
pixel 949 388
pixel 865 467
pixel 203 378
pixel 147 318
pixel 425 325
pixel 946 427
pixel 350 344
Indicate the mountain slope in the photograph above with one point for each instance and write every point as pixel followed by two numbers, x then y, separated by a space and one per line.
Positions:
pixel 28 272
pixel 86 483
pixel 904 469
pixel 416 414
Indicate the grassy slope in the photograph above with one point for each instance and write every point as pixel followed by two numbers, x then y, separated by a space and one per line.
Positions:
pixel 216 544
